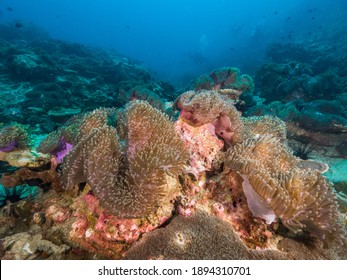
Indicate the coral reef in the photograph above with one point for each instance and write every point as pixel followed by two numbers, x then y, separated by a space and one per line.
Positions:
pixel 24 246
pixel 187 238
pixel 65 78
pixel 132 183
pixel 125 198
pixel 292 74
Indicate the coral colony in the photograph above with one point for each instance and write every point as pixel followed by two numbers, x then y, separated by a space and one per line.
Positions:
pixel 124 167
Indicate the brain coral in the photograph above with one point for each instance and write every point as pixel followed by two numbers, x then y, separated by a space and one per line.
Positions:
pixel 134 175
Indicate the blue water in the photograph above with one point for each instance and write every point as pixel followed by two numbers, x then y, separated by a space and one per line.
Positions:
pixel 180 39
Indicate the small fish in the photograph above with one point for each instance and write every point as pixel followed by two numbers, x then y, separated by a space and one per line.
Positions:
pixel 275 13
pixel 127 27
pixel 288 18
pixel 313 18
pixel 10 9
pixel 232 49
pixel 18 25
pixel 320 27
pixel 309 33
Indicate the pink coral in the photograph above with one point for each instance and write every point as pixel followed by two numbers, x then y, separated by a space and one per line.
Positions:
pixel 94 225
pixel 57 214
pixel 202 144
pixel 209 107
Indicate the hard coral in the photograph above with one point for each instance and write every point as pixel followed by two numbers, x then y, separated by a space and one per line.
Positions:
pixel 197 237
pixel 137 185
pixel 203 146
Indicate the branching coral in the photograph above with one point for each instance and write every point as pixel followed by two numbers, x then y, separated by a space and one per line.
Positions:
pixel 13 136
pixel 135 185
pixel 210 107
pixel 302 200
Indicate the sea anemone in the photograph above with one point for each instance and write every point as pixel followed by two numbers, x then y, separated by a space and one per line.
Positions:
pixel 60 142
pixel 209 107
pixel 13 136
pixel 302 199
pixel 136 185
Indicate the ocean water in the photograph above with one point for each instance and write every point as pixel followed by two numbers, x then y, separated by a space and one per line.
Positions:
pixel 179 40
pixel 119 117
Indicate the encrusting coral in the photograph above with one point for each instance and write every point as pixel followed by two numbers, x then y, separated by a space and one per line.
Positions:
pixel 136 185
